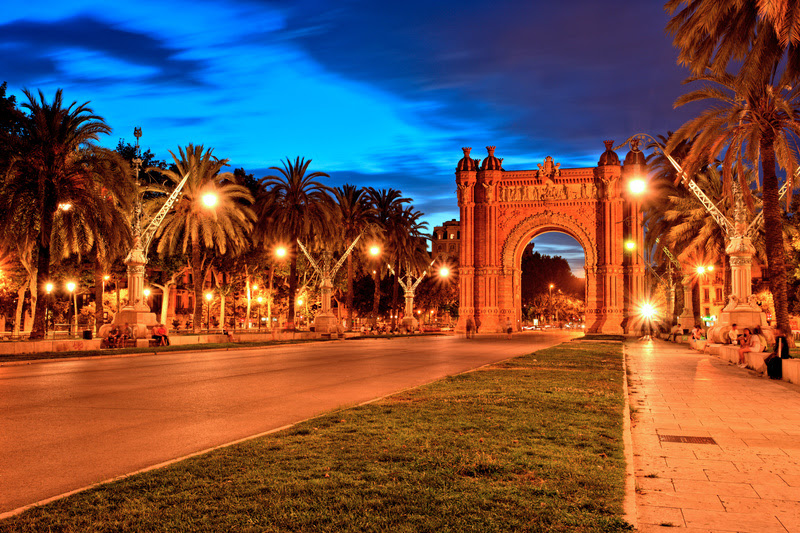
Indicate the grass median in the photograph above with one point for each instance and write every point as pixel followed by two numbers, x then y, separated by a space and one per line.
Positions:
pixel 530 444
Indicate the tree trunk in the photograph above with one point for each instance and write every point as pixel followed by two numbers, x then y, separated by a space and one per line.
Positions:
pixel 349 296
pixel 696 301
pixel 197 283
pixel 42 276
pixel 292 287
pixel 376 297
pixel 395 293
pixel 18 312
pixel 99 315
pixel 773 233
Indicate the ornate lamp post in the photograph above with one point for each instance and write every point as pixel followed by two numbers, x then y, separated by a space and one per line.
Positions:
pixel 741 308
pixel 137 313
pixel 325 321
pixel 409 288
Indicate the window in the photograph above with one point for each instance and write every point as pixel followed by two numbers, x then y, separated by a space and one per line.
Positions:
pixel 458 235
pixel 719 294
pixel 452 236
pixel 705 295
pixel 708 311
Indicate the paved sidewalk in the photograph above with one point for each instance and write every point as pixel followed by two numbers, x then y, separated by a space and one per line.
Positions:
pixel 747 479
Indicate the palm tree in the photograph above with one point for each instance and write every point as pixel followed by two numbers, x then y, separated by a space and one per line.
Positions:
pixel 756 124
pixel 294 206
pixel 387 205
pixel 59 166
pixel 197 228
pixel 761 36
pixel 354 215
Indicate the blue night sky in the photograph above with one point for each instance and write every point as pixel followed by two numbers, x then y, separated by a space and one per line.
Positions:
pixel 380 94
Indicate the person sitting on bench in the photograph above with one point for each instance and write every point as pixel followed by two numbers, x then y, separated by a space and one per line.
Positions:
pixel 112 341
pixel 160 335
pixel 127 333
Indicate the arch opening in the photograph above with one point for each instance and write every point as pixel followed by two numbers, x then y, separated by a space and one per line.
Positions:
pixel 552 280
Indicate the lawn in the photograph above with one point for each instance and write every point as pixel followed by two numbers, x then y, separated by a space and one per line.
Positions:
pixel 530 444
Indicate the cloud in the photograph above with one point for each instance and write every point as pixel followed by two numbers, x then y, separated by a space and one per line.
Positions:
pixel 85 48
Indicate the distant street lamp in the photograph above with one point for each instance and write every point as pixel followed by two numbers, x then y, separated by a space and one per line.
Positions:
pixel 49 289
pixel 71 286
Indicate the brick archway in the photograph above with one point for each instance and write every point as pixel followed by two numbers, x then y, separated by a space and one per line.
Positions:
pixel 502 210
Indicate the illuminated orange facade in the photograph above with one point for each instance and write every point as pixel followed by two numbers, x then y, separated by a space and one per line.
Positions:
pixel 501 211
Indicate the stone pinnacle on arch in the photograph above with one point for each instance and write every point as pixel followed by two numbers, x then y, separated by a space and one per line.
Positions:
pixel 492 162
pixel 609 157
pixel 466 163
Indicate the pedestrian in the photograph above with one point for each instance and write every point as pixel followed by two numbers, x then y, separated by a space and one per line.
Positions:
pixel 112 341
pixel 470 327
pixel 509 328
pixel 127 333
pixel 750 343
pixel 733 334
pixel 780 351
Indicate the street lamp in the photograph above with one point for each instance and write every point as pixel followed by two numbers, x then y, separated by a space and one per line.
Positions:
pixel 208 310
pixel 210 199
pixel 71 286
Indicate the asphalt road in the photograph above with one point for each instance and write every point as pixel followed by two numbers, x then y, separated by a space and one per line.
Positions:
pixel 69 424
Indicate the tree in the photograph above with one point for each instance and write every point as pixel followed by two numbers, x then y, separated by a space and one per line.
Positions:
pixel 354 215
pixel 760 36
pixel 292 206
pixel 758 124
pixel 387 205
pixel 59 169
pixel 194 227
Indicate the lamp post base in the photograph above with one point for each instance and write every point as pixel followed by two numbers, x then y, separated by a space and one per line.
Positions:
pixel 141 322
pixel 326 323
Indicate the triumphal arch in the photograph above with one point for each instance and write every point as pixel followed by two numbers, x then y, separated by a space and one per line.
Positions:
pixel 502 210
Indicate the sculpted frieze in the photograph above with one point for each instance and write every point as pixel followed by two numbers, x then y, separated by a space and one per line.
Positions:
pixel 547 192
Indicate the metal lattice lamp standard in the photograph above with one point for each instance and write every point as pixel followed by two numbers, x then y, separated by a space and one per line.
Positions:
pixel 325 321
pixel 741 308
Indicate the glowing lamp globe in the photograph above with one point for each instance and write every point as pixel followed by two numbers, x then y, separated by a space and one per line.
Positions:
pixel 637 186
pixel 209 199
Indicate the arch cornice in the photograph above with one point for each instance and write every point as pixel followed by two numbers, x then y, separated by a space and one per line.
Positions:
pixel 544 221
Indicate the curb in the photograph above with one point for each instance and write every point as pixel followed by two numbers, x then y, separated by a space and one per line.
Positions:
pixel 629 505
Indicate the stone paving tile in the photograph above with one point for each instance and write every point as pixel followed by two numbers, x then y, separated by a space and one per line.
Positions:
pixel 759 505
pixel 759 478
pixel 714 487
pixel 649 514
pixel 651 528
pixel 719 466
pixel 793 480
pixel 654 484
pixel 742 522
pixel 778 492
pixel 708 502
pixel 676 473
pixel 790 520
